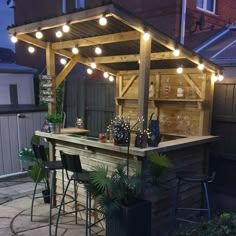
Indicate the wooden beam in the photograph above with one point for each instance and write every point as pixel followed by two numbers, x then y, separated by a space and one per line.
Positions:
pixel 143 82
pixel 135 57
pixel 104 39
pixel 32 41
pixel 55 22
pixel 193 85
pixel 66 70
pixel 131 81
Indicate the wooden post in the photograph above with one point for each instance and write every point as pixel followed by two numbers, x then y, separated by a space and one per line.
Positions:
pixel 50 62
pixel 143 82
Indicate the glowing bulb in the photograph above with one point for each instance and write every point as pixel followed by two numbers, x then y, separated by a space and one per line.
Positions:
pixel 31 49
pixel 98 50
pixel 105 75
pixel 89 71
pixel 179 70
pixel 63 61
pixel 93 65
pixel 14 39
pixel 38 34
pixel 111 78
pixel 176 52
pixel 146 36
pixel 220 77
pixel 59 34
pixel 103 21
pixel 139 61
pixel 65 28
pixel 200 66
pixel 75 50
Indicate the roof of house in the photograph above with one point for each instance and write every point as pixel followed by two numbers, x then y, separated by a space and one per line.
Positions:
pixel 7 55
pixel 14 68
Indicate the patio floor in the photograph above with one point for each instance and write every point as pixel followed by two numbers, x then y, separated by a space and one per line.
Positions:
pixel 15 202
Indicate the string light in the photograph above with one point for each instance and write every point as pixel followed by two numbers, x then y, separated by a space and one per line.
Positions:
pixel 111 78
pixel 220 77
pixel 146 36
pixel 14 39
pixel 89 71
pixel 66 28
pixel 176 52
pixel 103 20
pixel 59 34
pixel 39 34
pixel 75 50
pixel 201 66
pixel 93 65
pixel 105 75
pixel 63 61
pixel 179 70
pixel 98 50
pixel 31 49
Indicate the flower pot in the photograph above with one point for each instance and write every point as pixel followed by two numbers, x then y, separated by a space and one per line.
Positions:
pixel 55 128
pixel 132 220
pixel 46 195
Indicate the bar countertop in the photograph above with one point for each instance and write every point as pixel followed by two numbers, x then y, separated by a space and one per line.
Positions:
pixel 90 142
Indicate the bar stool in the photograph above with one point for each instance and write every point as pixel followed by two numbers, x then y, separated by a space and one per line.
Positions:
pixel 80 176
pixel 50 167
pixel 192 178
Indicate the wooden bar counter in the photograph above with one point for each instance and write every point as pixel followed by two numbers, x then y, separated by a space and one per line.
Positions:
pixel 186 153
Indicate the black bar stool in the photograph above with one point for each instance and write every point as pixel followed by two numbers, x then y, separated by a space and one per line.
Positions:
pixel 50 167
pixel 80 176
pixel 192 178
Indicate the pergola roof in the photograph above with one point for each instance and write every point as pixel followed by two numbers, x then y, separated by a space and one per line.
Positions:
pixel 119 39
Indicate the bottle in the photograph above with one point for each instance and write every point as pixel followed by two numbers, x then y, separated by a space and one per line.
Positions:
pixel 151 90
pixel 180 90
pixel 167 88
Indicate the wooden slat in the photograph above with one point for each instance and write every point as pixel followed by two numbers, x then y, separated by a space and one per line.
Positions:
pixel 193 85
pixel 124 90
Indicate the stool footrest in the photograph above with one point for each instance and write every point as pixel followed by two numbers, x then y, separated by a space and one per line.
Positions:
pixel 192 209
pixel 185 220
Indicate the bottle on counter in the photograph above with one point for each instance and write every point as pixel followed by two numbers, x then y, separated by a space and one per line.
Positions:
pixel 151 90
pixel 167 88
pixel 180 90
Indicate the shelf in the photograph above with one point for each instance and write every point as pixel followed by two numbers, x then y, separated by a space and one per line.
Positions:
pixel 163 99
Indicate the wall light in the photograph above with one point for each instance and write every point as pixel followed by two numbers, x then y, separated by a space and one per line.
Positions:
pixel 75 50
pixel 66 28
pixel 14 38
pixel 63 61
pixel 146 36
pixel 39 34
pixel 59 34
pixel 89 71
pixel 176 52
pixel 105 75
pixel 98 50
pixel 179 70
pixel 31 49
pixel 103 20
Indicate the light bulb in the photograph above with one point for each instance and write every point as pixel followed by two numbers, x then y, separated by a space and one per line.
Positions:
pixel 103 21
pixel 89 71
pixel 176 52
pixel 59 34
pixel 215 77
pixel 146 36
pixel 63 61
pixel 200 66
pixel 93 65
pixel 75 50
pixel 105 75
pixel 31 49
pixel 65 28
pixel 38 34
pixel 98 50
pixel 179 70
pixel 220 77
pixel 14 39
pixel 111 78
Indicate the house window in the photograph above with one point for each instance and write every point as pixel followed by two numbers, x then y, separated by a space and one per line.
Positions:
pixel 79 4
pixel 207 5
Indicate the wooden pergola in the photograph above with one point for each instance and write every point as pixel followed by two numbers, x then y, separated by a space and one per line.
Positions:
pixel 123 47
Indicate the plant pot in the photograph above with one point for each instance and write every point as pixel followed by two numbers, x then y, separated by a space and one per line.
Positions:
pixel 46 195
pixel 132 220
pixel 55 128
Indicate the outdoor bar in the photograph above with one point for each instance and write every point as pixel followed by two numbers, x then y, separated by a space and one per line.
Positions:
pixel 147 82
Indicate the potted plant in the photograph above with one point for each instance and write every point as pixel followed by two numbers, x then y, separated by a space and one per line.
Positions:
pixel 120 196
pixel 54 122
pixel 35 170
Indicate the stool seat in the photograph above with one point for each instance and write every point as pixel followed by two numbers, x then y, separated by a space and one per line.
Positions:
pixel 53 165
pixel 192 177
pixel 81 177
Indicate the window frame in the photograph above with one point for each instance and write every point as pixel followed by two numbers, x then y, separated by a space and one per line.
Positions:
pixel 204 8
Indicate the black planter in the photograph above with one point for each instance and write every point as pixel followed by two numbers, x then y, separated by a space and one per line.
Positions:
pixel 133 220
pixel 46 195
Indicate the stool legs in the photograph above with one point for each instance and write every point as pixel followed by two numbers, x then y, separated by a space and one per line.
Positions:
pixel 207 201
pixel 76 206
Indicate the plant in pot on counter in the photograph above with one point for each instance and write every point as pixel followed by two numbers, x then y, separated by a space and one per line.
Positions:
pixel 120 196
pixel 35 170
pixel 54 122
